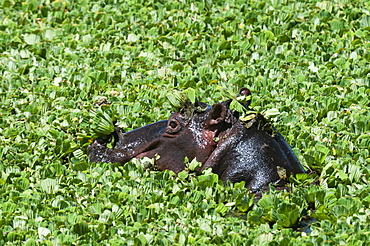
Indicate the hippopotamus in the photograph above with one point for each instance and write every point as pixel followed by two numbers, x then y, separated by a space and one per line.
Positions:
pixel 236 150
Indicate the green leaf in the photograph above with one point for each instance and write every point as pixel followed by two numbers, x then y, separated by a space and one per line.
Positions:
pixel 174 99
pixel 191 95
pixel 266 202
pixel 32 38
pixel 183 239
pixel 102 122
pixel 271 112
pixel 235 105
pixel 336 25
pixel 43 233
pixel 205 227
pixel 9 207
pixel 22 183
pixel 30 242
pixel 245 203
pixel 50 186
pixel 289 215
pixel 50 34
pixel 183 175
pixel 179 99
pixel 81 228
pixel 194 164
pixel 132 38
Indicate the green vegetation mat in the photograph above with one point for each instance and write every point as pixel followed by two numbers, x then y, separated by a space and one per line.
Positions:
pixel 60 60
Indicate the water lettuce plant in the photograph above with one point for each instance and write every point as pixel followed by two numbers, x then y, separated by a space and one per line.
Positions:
pixel 73 70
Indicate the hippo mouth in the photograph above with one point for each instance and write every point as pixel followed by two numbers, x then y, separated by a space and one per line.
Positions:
pixel 147 151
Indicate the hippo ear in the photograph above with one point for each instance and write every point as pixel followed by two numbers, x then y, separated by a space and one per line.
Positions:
pixel 245 92
pixel 218 114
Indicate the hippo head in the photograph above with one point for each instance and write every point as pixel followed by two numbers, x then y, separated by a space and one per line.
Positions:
pixel 251 151
pixel 190 133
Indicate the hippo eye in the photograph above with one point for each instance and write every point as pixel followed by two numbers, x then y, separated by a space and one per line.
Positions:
pixel 173 126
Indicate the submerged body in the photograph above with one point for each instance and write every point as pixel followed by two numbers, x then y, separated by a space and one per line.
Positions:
pixel 237 151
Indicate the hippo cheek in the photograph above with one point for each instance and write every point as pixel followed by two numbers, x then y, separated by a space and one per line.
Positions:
pixel 171 151
pixel 166 160
pixel 176 165
pixel 204 145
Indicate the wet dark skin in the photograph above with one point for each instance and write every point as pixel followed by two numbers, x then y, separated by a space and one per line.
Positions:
pixel 126 145
pixel 237 151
